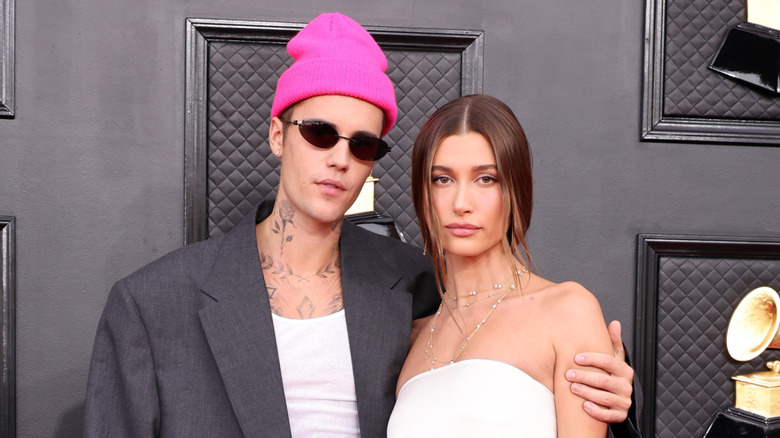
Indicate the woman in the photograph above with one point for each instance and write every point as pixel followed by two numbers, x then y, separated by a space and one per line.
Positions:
pixel 491 361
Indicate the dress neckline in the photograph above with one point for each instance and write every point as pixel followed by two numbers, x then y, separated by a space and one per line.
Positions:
pixel 460 363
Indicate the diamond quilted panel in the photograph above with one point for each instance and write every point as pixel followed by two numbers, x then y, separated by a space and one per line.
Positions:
pixel 694 32
pixel 424 81
pixel 241 169
pixel 696 297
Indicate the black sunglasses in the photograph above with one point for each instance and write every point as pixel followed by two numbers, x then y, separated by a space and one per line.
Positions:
pixel 324 136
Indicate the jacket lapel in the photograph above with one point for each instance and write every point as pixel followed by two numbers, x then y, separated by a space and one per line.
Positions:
pixel 378 323
pixel 240 333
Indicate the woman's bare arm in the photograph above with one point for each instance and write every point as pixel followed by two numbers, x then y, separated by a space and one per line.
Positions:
pixel 579 326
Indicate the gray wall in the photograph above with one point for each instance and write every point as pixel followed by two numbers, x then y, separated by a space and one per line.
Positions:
pixel 92 165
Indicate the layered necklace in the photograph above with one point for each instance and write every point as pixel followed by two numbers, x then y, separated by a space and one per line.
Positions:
pixel 473 296
pixel 430 355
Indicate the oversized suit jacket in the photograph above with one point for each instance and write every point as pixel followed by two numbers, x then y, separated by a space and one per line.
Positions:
pixel 186 347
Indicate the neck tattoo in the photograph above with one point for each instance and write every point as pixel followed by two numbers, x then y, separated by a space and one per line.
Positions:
pixel 431 356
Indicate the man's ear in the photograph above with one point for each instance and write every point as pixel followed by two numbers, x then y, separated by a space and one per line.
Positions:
pixel 276 136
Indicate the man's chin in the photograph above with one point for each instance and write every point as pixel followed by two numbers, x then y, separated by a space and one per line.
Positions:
pixel 329 213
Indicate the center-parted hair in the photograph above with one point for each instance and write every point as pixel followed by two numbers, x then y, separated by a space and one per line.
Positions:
pixel 495 121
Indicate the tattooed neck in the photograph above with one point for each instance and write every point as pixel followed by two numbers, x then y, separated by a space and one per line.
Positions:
pixel 283 228
pixel 292 295
pixel 282 217
pixel 303 281
pixel 284 271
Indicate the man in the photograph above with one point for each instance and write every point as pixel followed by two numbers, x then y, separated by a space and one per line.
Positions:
pixel 296 322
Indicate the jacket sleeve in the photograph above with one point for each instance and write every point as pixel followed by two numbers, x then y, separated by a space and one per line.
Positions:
pixel 426 296
pixel 122 396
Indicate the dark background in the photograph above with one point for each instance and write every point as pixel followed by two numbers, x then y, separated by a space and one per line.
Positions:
pixel 92 166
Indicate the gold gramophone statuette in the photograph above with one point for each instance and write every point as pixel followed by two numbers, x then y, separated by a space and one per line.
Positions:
pixel 759 392
pixel 365 200
pixel 764 12
pixel 752 329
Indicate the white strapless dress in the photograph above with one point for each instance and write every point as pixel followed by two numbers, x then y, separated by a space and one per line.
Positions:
pixel 473 398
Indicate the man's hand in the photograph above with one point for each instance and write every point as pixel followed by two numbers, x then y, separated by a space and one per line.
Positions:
pixel 608 396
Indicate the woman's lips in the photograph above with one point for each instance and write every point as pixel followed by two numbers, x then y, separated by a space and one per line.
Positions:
pixel 462 230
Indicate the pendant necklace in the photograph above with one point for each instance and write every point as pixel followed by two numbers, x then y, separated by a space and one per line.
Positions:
pixel 429 353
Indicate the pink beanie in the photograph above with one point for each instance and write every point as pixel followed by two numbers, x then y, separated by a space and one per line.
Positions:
pixel 335 55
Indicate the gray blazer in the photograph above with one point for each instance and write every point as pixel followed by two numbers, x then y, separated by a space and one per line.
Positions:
pixel 186 348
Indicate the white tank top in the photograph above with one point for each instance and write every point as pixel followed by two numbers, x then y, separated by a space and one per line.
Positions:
pixel 319 386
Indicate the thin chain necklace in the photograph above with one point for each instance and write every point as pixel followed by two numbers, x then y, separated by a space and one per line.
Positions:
pixel 474 292
pixel 430 355
pixel 459 300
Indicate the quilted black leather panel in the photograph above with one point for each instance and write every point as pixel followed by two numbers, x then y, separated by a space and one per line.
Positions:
pixel 694 32
pixel 696 297
pixel 241 169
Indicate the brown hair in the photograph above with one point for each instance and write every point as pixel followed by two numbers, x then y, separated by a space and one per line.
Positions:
pixel 495 121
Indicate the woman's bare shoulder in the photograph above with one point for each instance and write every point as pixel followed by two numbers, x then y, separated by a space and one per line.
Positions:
pixel 572 305
pixel 568 294
pixel 421 325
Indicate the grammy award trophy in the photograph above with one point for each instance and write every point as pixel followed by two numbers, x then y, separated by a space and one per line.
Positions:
pixel 753 328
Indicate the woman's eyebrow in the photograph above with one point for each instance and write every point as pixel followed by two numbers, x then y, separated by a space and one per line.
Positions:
pixel 477 168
